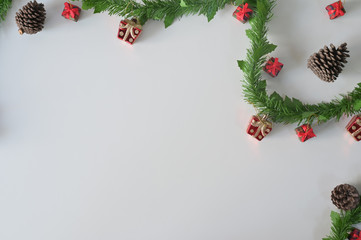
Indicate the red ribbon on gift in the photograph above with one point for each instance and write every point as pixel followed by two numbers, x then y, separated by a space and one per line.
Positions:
pixel 308 133
pixel 69 11
pixel 243 12
pixel 338 9
pixel 274 67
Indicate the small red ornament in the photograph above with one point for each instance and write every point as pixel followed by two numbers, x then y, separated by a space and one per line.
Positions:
pixel 71 12
pixel 273 67
pixel 335 10
pixel 129 30
pixel 354 127
pixel 355 234
pixel 305 132
pixel 259 127
pixel 243 13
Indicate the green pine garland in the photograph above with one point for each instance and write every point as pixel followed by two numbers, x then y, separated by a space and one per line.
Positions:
pixel 284 110
pixel 342 223
pixel 279 109
pixel 164 10
pixel 4 7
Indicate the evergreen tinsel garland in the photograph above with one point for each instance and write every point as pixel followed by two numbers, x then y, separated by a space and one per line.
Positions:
pixel 4 7
pixel 284 110
pixel 164 10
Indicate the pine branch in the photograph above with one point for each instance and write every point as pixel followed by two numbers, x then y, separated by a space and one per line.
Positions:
pixel 165 10
pixel 279 109
pixel 342 223
pixel 254 88
pixel 4 7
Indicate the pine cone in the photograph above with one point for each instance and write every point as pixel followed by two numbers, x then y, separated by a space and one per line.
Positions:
pixel 327 64
pixel 30 19
pixel 345 197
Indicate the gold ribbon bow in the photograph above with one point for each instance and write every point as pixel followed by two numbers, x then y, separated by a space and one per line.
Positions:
pixel 129 27
pixel 262 126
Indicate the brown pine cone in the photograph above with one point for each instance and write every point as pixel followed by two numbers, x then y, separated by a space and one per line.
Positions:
pixel 345 197
pixel 327 63
pixel 30 19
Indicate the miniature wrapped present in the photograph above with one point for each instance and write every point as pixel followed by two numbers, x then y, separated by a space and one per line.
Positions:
pixel 129 30
pixel 259 127
pixel 243 13
pixel 354 127
pixel 355 234
pixel 335 10
pixel 273 67
pixel 305 132
pixel 71 12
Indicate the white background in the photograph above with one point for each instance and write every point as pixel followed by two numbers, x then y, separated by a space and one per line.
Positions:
pixel 100 140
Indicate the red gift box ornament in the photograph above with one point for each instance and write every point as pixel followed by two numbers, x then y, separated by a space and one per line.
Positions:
pixel 129 30
pixel 305 132
pixel 355 234
pixel 273 67
pixel 335 10
pixel 259 127
pixel 354 127
pixel 71 12
pixel 243 13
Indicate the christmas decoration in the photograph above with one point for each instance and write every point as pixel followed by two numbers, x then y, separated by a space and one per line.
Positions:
pixel 279 109
pixel 71 12
pixel 243 13
pixel 327 64
pixel 345 197
pixel 355 234
pixel 4 7
pixel 129 30
pixel 273 67
pixel 164 10
pixel 305 132
pixel 335 10
pixel 354 127
pixel 342 196
pixel 285 109
pixel 259 127
pixel 30 19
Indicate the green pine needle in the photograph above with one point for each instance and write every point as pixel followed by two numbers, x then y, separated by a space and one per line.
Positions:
pixel 164 10
pixel 342 223
pixel 4 7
